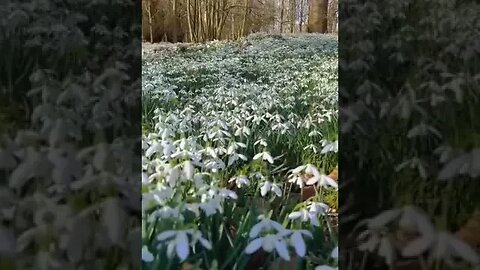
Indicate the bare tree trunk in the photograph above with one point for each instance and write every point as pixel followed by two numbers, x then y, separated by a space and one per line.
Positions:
pixel 148 8
pixel 189 20
pixel 245 15
pixel 300 26
pixel 317 21
pixel 233 26
pixel 293 17
pixel 175 21
pixel 282 8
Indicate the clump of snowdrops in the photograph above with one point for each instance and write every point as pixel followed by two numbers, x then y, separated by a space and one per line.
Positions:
pixel 231 136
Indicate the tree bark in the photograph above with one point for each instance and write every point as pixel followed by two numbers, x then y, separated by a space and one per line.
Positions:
pixel 317 19
pixel 245 15
pixel 282 8
pixel 189 20
pixel 293 13
pixel 148 8
pixel 300 26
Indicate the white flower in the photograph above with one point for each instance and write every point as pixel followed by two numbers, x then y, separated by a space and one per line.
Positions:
pixel 261 142
pixel 154 148
pixel 226 193
pixel 334 253
pixel 322 180
pixel 269 186
pixel 266 224
pixel 197 236
pixel 269 243
pixel 146 255
pixel 210 206
pixel 240 181
pixel 188 169
pixel 305 215
pixel 318 208
pixel 296 240
pixel 178 242
pixel 265 156
pixel 234 157
pixel 298 180
pixel 330 147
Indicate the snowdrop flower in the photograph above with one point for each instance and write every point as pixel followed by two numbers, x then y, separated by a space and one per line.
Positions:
pixel 197 237
pixel 269 243
pixel 266 224
pixel 444 247
pixel 165 212
pixel 172 176
pixel 226 193
pixel 330 147
pixel 305 215
pixel 311 146
pixel 154 148
pixel 242 131
pixel 334 253
pixel 234 157
pixel 296 240
pixel 269 186
pixel 188 169
pixel 211 206
pixel 261 142
pixel 146 255
pixel 265 156
pixel 322 180
pixel 298 180
pixel 178 242
pixel 240 181
pixel 318 208
pixel 215 165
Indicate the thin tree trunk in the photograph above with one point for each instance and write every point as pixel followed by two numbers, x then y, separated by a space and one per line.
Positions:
pixel 300 26
pixel 245 15
pixel 189 20
pixel 233 26
pixel 175 21
pixel 148 9
pixel 281 15
pixel 293 10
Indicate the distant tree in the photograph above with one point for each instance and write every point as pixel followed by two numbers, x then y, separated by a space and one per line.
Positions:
pixel 317 19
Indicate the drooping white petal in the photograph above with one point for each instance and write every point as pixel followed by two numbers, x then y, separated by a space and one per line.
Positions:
pixel 295 215
pixel 276 189
pixel 253 246
pixel 188 169
pixel 282 250
pixel 205 243
pixel 165 235
pixel 182 246
pixel 334 253
pixel 416 247
pixel 257 156
pixel 298 244
pixel 313 180
pixel 267 157
pixel 146 255
pixel 265 188
pixel 384 218
pixel 298 169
